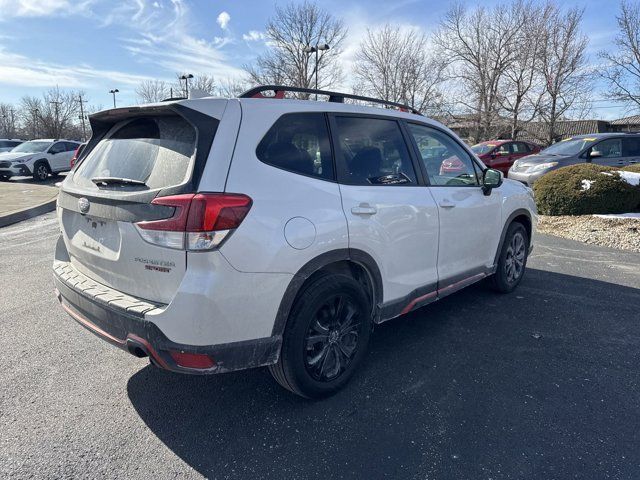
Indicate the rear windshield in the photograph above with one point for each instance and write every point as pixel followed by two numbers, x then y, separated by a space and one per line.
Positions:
pixel 155 150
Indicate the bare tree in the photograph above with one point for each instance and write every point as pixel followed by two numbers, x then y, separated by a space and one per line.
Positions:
pixel 289 33
pixel 563 67
pixel 481 45
pixel 8 120
pixel 202 82
pixel 55 115
pixel 522 85
pixel 230 88
pixel 622 69
pixel 152 91
pixel 396 65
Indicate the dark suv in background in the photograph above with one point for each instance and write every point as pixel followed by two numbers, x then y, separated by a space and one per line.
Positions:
pixel 607 149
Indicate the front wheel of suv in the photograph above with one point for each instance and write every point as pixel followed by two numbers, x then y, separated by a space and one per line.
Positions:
pixel 326 337
pixel 512 260
pixel 40 171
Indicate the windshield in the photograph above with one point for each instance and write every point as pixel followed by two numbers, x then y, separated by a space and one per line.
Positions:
pixel 32 147
pixel 568 146
pixel 482 148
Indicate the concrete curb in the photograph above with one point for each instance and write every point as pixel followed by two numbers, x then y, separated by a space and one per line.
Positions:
pixel 27 213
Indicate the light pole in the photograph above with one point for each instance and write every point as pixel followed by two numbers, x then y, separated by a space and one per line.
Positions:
pixel 186 78
pixel 56 106
pixel 84 131
pixel 315 49
pixel 35 122
pixel 113 92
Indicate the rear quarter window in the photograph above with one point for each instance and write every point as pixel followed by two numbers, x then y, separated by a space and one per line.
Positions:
pixel 299 143
pixel 156 150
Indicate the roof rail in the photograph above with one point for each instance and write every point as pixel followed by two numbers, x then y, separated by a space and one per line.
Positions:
pixel 337 97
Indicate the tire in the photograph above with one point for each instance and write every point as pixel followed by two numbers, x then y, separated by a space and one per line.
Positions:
pixel 512 261
pixel 41 171
pixel 326 337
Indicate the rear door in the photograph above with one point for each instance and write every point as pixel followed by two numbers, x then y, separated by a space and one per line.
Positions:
pixel 165 152
pixel 56 155
pixel 469 220
pixel 68 155
pixel 390 215
pixel 631 150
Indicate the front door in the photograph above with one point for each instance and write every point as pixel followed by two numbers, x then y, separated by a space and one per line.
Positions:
pixel 469 221
pixel 389 215
pixel 609 153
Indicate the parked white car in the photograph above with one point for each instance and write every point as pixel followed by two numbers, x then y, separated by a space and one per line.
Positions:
pixel 37 158
pixel 214 235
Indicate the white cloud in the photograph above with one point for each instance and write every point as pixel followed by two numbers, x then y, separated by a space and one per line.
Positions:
pixel 223 20
pixel 41 8
pixel 165 39
pixel 21 71
pixel 253 36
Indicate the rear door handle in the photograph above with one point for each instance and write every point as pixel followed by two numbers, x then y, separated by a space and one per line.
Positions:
pixel 364 209
pixel 446 203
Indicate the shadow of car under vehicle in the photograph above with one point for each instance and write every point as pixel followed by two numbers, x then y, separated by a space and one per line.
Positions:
pixel 532 384
pixel 50 181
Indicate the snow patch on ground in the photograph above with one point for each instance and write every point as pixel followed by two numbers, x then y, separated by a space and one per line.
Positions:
pixel 635 215
pixel 632 178
pixel 586 184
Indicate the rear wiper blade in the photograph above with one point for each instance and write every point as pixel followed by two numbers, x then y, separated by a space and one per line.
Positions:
pixel 117 181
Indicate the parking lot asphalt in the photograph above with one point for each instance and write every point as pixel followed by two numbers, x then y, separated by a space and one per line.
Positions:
pixel 540 383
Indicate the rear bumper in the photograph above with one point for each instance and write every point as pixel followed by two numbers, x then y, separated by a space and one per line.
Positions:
pixel 126 328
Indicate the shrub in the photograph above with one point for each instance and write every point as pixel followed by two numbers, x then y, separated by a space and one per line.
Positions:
pixel 563 192
pixel 632 168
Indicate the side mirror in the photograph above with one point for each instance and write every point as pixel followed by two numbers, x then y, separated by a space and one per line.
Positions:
pixel 594 154
pixel 491 179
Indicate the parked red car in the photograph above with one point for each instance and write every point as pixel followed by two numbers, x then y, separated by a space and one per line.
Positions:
pixel 500 154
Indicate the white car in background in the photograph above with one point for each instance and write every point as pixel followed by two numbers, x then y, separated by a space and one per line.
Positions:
pixel 38 158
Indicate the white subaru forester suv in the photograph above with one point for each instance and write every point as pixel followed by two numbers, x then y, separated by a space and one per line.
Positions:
pixel 214 235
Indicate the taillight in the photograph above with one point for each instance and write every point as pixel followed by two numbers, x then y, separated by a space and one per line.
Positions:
pixel 200 221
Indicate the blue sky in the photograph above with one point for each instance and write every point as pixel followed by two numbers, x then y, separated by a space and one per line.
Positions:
pixel 97 45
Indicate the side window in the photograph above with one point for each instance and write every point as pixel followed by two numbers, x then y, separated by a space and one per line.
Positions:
pixel 372 151
pixel 519 148
pixel 57 148
pixel 445 161
pixel 631 147
pixel 299 143
pixel 71 147
pixel 503 149
pixel 611 148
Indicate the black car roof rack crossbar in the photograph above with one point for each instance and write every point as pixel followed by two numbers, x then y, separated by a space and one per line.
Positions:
pixel 336 97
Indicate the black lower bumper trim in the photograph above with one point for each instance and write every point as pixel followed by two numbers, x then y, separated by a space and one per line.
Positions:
pixel 135 334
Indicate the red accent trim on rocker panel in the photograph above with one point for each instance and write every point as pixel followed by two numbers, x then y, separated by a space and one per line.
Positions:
pixel 413 302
